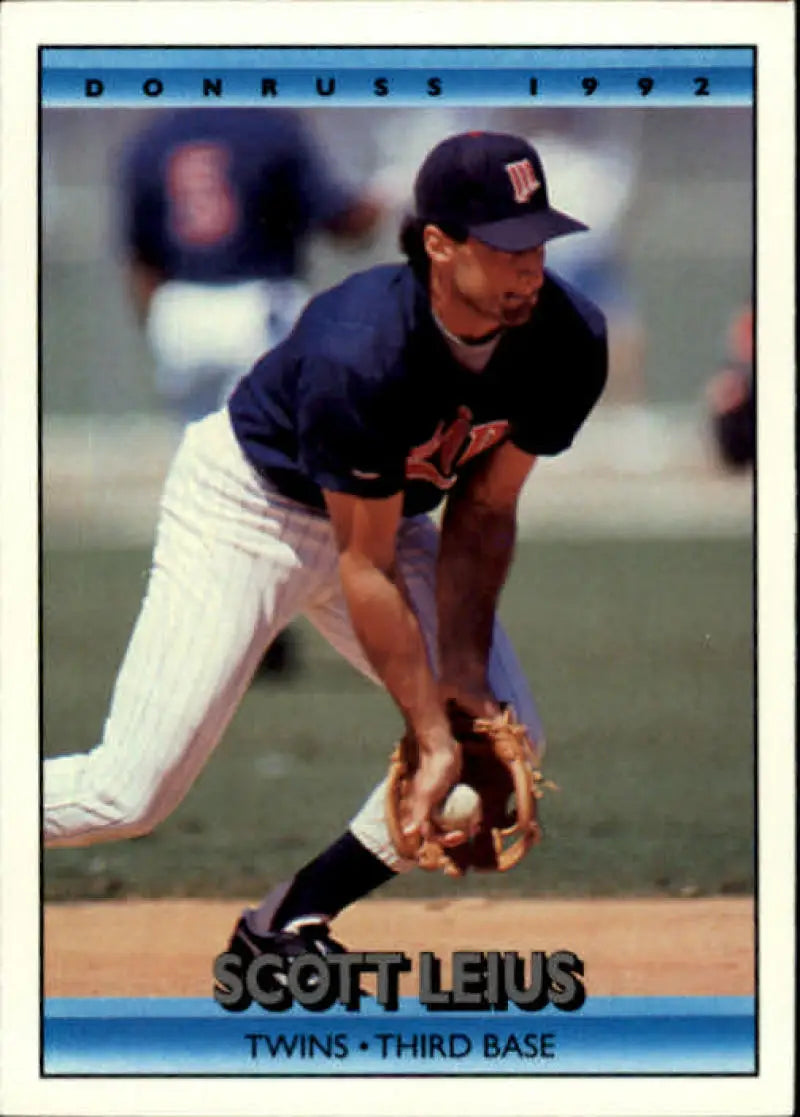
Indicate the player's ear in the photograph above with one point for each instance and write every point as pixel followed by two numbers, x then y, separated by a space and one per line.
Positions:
pixel 439 247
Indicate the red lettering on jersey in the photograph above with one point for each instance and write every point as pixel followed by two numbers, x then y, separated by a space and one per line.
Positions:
pixel 483 436
pixel 420 468
pixel 438 459
pixel 453 440
pixel 203 208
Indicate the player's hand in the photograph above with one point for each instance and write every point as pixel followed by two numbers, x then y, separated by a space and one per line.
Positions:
pixel 439 769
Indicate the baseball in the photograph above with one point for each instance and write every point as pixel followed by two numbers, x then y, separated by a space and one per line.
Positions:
pixel 461 809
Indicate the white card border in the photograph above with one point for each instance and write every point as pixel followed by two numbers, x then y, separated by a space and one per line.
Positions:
pixel 769 25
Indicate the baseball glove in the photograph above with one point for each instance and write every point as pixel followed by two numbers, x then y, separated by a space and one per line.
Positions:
pixel 501 763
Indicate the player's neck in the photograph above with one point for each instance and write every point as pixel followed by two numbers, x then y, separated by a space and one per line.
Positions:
pixel 458 344
pixel 460 322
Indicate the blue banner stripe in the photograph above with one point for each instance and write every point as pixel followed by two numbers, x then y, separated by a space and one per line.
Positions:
pixel 200 1007
pixel 325 88
pixel 369 76
pixel 354 57
pixel 607 1036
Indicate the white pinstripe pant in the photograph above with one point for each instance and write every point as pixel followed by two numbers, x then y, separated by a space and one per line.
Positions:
pixel 233 564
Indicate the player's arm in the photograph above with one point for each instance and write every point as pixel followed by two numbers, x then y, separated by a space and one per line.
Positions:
pixel 387 627
pixel 344 212
pixel 138 225
pixel 477 544
pixel 357 221
pixel 143 280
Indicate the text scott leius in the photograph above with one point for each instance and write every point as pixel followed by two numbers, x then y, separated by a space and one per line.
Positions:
pixel 488 980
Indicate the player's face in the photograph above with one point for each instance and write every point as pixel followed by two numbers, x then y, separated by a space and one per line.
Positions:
pixel 499 286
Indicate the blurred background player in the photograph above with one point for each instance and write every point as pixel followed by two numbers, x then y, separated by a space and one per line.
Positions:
pixel 599 167
pixel 218 205
pixel 731 396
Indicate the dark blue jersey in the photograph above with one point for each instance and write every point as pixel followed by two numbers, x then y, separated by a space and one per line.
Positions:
pixel 365 396
pixel 211 195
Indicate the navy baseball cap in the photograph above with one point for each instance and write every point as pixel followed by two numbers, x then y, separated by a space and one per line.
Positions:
pixel 492 186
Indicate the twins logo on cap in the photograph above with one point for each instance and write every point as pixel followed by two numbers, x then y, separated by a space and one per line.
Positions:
pixel 523 179
pixel 490 186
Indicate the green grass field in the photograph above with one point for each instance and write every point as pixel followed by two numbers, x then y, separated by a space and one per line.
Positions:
pixel 640 654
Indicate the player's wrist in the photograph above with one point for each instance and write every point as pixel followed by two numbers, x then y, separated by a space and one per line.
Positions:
pixel 471 694
pixel 434 736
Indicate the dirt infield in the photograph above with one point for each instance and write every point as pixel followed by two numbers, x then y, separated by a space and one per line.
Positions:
pixel 649 947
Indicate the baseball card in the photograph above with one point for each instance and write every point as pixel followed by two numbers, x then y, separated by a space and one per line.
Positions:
pixel 398 519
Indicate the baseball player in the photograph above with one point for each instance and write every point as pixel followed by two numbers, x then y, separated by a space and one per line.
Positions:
pixel 439 379
pixel 217 205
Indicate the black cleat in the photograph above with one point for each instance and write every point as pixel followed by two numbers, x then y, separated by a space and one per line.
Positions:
pixel 313 938
pixel 246 946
